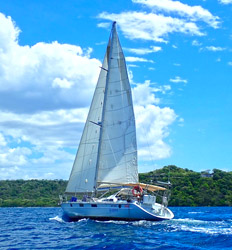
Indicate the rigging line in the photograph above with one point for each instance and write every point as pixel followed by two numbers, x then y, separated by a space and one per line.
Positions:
pixel 103 68
pixel 98 124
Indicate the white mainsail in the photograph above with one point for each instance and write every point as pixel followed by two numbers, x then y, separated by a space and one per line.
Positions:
pixel 118 149
pixel 108 150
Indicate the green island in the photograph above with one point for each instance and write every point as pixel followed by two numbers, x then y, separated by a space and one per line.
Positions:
pixel 189 188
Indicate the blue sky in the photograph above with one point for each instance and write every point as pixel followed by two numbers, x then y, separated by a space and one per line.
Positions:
pixel 179 58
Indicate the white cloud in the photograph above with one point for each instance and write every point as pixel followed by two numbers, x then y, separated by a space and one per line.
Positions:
pixel 144 94
pixel 38 142
pixel 165 17
pixel 152 122
pixel 214 49
pixel 46 127
pixel 143 51
pixel 104 25
pixel 62 83
pixel 225 1
pixel 230 63
pixel 151 26
pixel 178 79
pixel 196 43
pixel 9 33
pixel 2 140
pixel 132 66
pixel 181 122
pixel 47 76
pixel 40 86
pixel 14 156
pixel 137 59
pixel 194 13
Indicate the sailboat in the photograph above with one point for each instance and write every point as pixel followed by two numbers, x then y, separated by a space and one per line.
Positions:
pixel 104 183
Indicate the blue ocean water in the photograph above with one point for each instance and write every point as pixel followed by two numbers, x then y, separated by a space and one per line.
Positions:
pixel 44 228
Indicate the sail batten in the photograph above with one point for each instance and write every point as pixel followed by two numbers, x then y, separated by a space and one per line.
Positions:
pixel 108 150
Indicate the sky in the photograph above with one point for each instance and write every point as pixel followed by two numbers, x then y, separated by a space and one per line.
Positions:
pixel 179 60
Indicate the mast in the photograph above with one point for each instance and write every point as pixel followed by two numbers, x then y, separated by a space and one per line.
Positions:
pixel 104 105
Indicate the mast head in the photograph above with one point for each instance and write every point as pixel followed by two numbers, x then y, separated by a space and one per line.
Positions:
pixel 114 24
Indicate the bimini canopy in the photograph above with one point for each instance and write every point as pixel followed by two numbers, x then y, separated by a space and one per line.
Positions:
pixel 143 185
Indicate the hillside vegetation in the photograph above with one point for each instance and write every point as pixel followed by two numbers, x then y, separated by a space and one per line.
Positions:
pixel 188 189
pixel 31 193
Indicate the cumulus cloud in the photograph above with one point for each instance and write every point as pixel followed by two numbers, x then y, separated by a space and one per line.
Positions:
pixel 157 23
pixel 40 142
pixel 153 125
pixel 62 83
pixel 152 122
pixel 47 76
pixel 2 140
pixel 144 94
pixel 44 92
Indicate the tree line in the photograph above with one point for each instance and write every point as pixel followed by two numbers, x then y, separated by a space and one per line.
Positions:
pixel 188 188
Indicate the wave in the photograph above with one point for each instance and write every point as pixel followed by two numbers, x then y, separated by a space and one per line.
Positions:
pixel 211 231
pixel 121 222
pixel 190 221
pixel 200 226
pixel 57 218
pixel 195 212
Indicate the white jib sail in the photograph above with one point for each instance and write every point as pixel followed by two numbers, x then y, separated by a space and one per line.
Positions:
pixel 82 177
